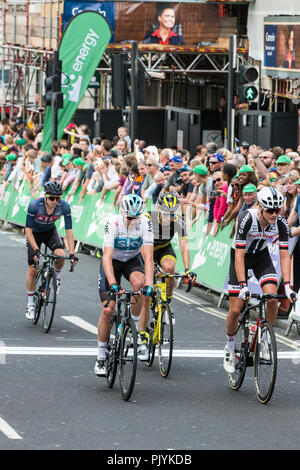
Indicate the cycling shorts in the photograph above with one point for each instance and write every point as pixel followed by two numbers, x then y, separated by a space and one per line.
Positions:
pixel 120 269
pixel 51 239
pixel 166 252
pixel 262 266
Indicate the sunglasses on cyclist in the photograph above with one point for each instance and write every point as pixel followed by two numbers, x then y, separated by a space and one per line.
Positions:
pixel 132 218
pixel 53 198
pixel 271 211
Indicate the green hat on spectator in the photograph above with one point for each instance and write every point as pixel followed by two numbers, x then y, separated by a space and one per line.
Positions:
pixel 66 161
pixel 66 155
pixel 79 161
pixel 249 188
pixel 200 170
pixel 297 182
pixel 283 159
pixel 21 142
pixel 11 156
pixel 246 169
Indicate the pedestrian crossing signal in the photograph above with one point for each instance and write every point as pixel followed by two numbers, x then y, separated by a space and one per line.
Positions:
pixel 249 84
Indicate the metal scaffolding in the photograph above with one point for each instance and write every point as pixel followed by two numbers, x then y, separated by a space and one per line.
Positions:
pixel 31 30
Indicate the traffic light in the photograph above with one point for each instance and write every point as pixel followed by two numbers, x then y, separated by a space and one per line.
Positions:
pixel 53 95
pixel 249 84
pixel 120 80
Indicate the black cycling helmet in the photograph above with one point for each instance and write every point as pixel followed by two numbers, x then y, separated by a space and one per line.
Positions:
pixel 168 203
pixel 53 188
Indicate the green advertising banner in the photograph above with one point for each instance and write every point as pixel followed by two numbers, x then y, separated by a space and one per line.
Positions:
pixel 81 49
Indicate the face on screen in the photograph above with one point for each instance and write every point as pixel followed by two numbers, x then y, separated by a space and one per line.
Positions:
pixel 167 18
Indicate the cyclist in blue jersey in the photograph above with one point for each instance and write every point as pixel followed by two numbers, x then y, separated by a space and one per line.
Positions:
pixel 127 236
pixel 40 228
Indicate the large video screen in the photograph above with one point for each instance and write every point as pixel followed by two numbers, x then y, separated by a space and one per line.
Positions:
pixel 154 22
pixel 282 46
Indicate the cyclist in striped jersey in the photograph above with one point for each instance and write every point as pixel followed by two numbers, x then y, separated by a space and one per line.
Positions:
pixel 255 229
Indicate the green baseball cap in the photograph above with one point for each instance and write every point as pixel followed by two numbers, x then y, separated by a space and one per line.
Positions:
pixel 66 162
pixel 21 142
pixel 79 161
pixel 11 156
pixel 246 169
pixel 297 182
pixel 200 170
pixel 249 188
pixel 284 159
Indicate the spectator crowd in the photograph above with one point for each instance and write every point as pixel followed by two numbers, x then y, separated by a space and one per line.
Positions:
pixel 214 180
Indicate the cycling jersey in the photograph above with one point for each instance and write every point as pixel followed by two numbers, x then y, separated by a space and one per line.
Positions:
pixel 127 241
pixel 40 221
pixel 253 238
pixel 163 234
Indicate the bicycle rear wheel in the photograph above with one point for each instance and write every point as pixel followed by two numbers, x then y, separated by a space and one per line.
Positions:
pixel 112 353
pixel 236 379
pixel 165 344
pixel 38 300
pixel 265 364
pixel 49 303
pixel 128 359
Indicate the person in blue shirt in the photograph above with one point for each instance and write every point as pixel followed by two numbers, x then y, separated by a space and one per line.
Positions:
pixel 42 215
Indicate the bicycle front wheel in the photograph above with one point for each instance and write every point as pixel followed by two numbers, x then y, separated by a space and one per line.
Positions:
pixel 236 379
pixel 166 339
pixel 38 300
pixel 265 364
pixel 112 353
pixel 151 346
pixel 49 302
pixel 128 358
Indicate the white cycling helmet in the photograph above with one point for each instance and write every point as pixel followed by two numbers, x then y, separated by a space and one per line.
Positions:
pixel 132 205
pixel 270 198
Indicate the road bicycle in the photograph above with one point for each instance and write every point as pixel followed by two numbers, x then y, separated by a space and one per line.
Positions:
pixel 256 346
pixel 122 344
pixel 46 290
pixel 161 328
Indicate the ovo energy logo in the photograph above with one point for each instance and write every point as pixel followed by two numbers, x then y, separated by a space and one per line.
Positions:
pixel 71 84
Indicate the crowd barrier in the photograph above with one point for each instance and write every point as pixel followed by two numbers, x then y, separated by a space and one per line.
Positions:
pixel 210 255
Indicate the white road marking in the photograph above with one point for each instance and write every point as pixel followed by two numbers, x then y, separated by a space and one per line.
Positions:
pixel 53 351
pixel 8 430
pixel 81 323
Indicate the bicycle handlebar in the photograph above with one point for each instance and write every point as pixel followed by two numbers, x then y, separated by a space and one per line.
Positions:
pixel 54 257
pixel 113 295
pixel 176 276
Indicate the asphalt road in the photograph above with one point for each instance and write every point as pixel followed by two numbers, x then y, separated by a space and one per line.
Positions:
pixel 51 399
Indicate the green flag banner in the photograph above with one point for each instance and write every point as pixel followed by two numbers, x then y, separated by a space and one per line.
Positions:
pixel 81 49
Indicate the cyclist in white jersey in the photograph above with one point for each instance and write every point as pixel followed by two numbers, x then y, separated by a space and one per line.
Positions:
pixel 127 236
pixel 255 229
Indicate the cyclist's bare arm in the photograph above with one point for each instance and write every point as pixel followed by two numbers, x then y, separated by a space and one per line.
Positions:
pixel 31 239
pixel 240 264
pixel 147 254
pixel 70 240
pixel 285 264
pixel 108 252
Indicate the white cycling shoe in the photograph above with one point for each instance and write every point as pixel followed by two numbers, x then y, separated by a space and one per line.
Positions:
pixel 30 312
pixel 229 358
